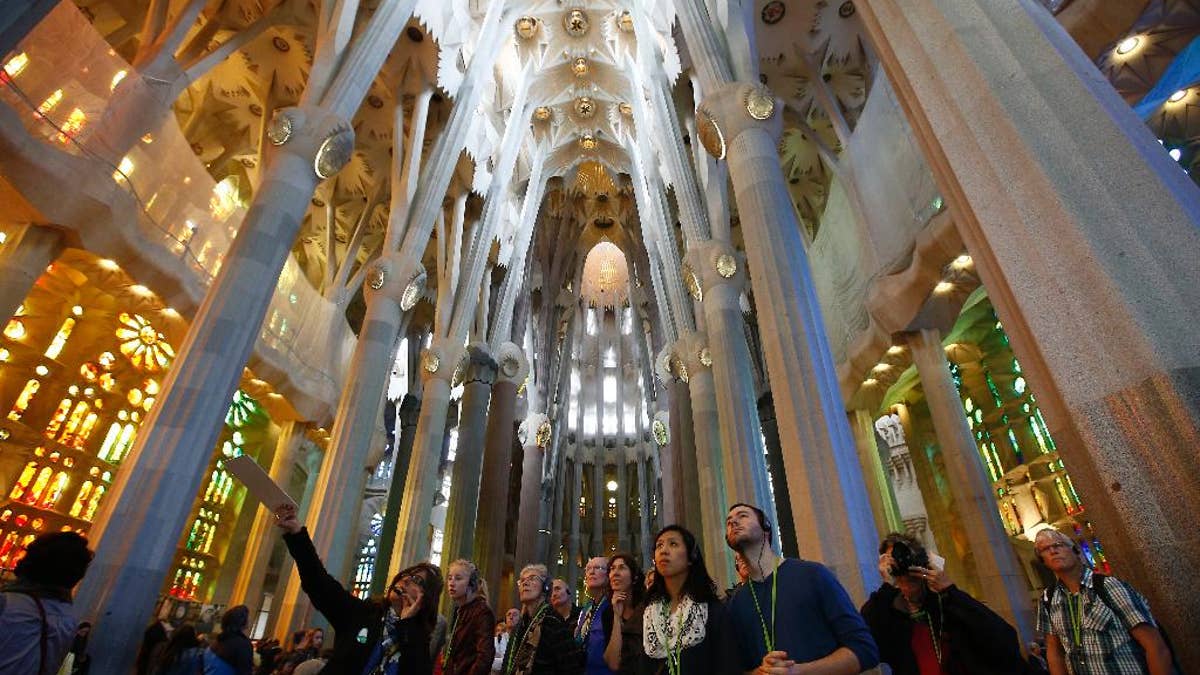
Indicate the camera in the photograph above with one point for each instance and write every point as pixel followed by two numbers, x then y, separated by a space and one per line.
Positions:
pixel 905 557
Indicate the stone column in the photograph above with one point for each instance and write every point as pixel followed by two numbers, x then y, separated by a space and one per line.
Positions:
pixel 574 541
pixel 23 258
pixel 497 472
pixel 158 482
pixel 706 464
pixel 643 512
pixel 437 367
pixel 623 500
pixel 686 477
pixel 783 500
pixel 879 490
pixel 252 567
pixel 910 503
pixel 336 517
pixel 408 413
pixel 599 506
pixel 1000 576
pixel 1117 380
pixel 742 122
pixel 534 436
pixel 17 20
pixel 720 271
pixel 459 541
pixel 561 494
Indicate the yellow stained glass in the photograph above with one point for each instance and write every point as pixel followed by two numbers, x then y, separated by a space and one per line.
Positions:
pixel 142 344
pixel 56 490
pixel 74 423
pixel 124 443
pixel 33 494
pixel 110 442
pixel 23 400
pixel 85 432
pixel 14 329
pixel 93 503
pixel 23 482
pixel 57 419
pixel 60 338
pixel 85 491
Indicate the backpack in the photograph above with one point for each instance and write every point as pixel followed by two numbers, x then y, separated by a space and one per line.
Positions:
pixel 1103 595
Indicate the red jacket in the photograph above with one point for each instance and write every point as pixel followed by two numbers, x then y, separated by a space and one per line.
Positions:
pixel 470 646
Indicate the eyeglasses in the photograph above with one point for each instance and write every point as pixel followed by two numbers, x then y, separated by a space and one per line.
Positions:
pixel 530 579
pixel 1051 547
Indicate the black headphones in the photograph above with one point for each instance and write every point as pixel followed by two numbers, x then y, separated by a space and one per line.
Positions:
pixel 763 521
pixel 473 580
pixel 547 587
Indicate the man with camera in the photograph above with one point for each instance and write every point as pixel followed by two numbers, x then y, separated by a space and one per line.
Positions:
pixel 925 625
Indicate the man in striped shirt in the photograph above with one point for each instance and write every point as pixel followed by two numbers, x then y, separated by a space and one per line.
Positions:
pixel 1094 625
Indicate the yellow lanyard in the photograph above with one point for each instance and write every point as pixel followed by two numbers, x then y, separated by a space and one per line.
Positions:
pixel 1075 611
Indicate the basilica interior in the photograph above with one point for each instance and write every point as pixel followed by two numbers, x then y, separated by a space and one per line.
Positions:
pixel 524 281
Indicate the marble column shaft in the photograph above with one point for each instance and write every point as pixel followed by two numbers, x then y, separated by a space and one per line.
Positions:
pixel 412 542
pixel 290 606
pixel 599 506
pixel 706 467
pixel 23 259
pixel 461 513
pixel 686 477
pixel 574 542
pixel 497 472
pixel 644 542
pixel 1102 319
pixel 157 484
pixel 1000 576
pixel 822 464
pixel 531 494
pixel 622 505
pixel 408 413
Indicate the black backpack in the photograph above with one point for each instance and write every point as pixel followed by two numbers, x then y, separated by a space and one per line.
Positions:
pixel 1103 594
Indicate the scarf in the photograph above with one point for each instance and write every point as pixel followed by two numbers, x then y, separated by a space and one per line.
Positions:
pixel 526 645
pixel 385 657
pixel 676 631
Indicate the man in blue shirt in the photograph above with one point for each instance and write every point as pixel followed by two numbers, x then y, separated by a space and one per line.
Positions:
pixel 792 617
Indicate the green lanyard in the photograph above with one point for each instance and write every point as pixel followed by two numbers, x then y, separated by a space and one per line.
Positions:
pixel 769 639
pixel 674 654
pixel 514 645
pixel 1075 611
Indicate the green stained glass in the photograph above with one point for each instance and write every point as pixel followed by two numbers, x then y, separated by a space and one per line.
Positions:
pixel 1016 366
pixel 1012 439
pixel 1019 386
pixel 991 385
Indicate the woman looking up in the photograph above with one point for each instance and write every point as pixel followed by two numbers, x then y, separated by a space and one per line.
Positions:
pixel 624 653
pixel 469 648
pixel 382 636
pixel 687 630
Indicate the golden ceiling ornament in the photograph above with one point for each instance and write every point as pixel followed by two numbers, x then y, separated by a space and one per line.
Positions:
pixel 726 265
pixel 526 27
pixel 625 108
pixel 587 142
pixel 760 102
pixel 430 362
pixel 280 130
pixel 576 23
pixel 661 434
pixel 580 66
pixel 541 113
pixel 705 357
pixel 334 154
pixel 692 283
pixel 377 277
pixel 544 431
pixel 710 134
pixel 412 292
pixel 625 22
pixel 679 369
pixel 585 107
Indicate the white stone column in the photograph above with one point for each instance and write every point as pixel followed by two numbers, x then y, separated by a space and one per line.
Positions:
pixel 437 367
pixel 497 470
pixel 574 541
pixel 534 439
pixel 903 477
pixel 720 271
pixel 644 510
pixel 623 501
pixel 462 510
pixel 290 606
pixel 23 258
pixel 1000 576
pixel 819 453
pixel 157 484
pixel 598 502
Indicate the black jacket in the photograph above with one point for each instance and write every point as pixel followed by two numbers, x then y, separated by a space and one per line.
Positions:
pixel 350 616
pixel 557 652
pixel 979 641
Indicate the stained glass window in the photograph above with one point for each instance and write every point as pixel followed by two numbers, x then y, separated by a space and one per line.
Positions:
pixel 60 338
pixel 142 344
pixel 23 399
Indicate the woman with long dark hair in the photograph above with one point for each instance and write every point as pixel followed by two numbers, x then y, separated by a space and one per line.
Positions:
pixel 624 653
pixel 380 636
pixel 232 645
pixel 687 630
pixel 183 654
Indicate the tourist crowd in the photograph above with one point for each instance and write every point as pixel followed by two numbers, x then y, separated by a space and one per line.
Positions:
pixel 785 617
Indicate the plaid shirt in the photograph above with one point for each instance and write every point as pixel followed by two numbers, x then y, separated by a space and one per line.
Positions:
pixel 1106 647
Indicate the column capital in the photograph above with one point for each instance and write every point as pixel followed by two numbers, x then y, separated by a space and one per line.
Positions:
pixel 322 139
pixel 476 366
pixel 692 348
pixel 735 107
pixel 396 276
pixel 512 366
pixel 536 431
pixel 712 263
